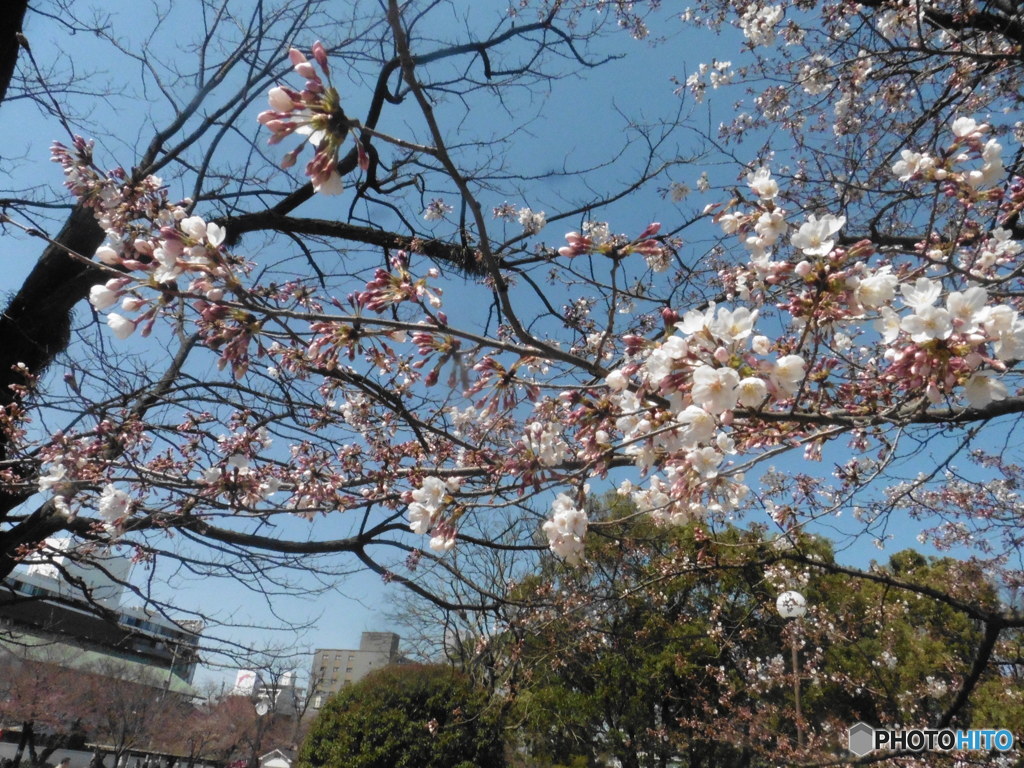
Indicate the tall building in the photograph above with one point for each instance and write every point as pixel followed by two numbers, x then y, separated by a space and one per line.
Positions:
pixel 51 612
pixel 333 669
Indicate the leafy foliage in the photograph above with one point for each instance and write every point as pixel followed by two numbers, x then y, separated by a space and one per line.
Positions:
pixel 406 715
pixel 668 646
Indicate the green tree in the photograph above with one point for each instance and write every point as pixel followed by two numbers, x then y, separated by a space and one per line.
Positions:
pixel 414 716
pixel 668 646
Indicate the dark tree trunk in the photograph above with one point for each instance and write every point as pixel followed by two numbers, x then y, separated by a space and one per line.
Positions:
pixel 11 18
pixel 36 325
pixel 26 734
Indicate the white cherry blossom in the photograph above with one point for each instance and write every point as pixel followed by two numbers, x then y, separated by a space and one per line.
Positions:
pixel 980 390
pixel 751 392
pixel 928 323
pixel 705 461
pixel 714 389
pixel 734 325
pixel 114 504
pixel 816 237
pixel 877 289
pixel 788 373
pixel 121 326
pixel 923 293
pixel 967 308
pixel 763 185
pixel 566 529
pixel 699 425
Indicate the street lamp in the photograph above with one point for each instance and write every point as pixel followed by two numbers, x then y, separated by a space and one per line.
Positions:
pixel 792 605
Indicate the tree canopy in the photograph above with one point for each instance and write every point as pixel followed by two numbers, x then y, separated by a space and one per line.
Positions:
pixel 389 286
pixel 407 715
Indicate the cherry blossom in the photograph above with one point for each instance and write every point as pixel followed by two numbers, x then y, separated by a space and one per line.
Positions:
pixel 114 505
pixel 714 389
pixel 762 183
pixel 816 237
pixel 566 529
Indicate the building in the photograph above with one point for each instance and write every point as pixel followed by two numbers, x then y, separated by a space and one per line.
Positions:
pixel 279 692
pixel 278 758
pixel 59 611
pixel 333 669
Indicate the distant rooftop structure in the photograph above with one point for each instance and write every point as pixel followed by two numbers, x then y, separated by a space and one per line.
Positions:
pixel 50 612
pixel 103 578
pixel 333 668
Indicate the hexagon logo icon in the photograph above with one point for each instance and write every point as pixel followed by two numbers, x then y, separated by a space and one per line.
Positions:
pixel 862 738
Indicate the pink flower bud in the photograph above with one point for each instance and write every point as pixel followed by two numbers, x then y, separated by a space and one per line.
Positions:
pixel 320 54
pixel 651 231
pixel 289 159
pixel 305 70
pixel 296 56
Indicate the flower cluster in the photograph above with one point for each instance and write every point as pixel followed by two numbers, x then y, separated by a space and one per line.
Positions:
pixel 532 221
pixel 566 529
pixel 150 242
pixel 436 210
pixel 315 112
pixel 544 443
pixel 758 23
pixel 597 238
pixel 969 144
pixel 425 513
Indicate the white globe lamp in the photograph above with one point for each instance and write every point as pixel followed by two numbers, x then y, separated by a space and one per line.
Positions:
pixel 791 605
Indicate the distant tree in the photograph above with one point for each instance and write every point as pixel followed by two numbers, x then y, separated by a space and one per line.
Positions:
pixel 121 708
pixel 34 695
pixel 427 716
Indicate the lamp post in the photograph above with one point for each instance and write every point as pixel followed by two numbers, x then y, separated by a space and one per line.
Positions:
pixel 792 605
